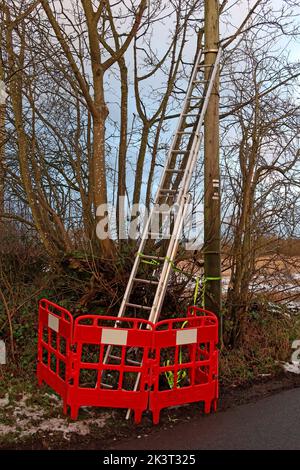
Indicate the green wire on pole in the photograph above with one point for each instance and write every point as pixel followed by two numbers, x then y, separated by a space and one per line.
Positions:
pixel 181 373
pixel 196 289
pixel 203 289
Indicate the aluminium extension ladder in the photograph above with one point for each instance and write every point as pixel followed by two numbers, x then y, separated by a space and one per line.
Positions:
pixel 174 187
pixel 155 257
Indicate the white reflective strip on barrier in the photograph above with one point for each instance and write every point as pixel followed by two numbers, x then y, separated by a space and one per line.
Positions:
pixel 53 322
pixel 113 336
pixel 186 336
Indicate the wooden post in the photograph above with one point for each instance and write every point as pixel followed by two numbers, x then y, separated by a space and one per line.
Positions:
pixel 212 219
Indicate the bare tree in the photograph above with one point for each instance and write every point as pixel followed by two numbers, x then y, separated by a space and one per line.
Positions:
pixel 260 154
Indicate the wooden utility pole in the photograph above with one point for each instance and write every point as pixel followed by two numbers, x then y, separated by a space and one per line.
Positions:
pixel 2 138
pixel 212 218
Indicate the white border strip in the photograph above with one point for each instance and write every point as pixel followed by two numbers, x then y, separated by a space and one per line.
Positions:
pixel 186 336
pixel 113 336
pixel 53 322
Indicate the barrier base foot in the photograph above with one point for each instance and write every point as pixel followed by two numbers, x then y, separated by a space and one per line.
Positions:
pixel 207 407
pixel 39 375
pixel 138 416
pixel 74 412
pixel 155 415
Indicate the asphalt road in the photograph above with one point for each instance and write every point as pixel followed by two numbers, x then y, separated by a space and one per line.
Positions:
pixel 270 423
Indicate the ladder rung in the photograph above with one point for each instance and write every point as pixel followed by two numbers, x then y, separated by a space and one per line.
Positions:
pixel 135 363
pixel 172 170
pixel 156 235
pixel 172 191
pixel 116 358
pixel 138 306
pixel 144 281
pixel 106 385
pixel 158 258
pixel 190 124
pixel 179 152
pixel 200 81
pixel 204 65
pixel 191 115
pixel 183 132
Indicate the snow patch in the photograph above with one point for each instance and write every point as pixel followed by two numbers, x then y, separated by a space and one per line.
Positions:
pixel 4 401
pixel 293 367
pixel 28 420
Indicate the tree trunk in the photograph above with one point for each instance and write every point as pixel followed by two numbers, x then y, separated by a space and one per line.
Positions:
pixel 242 264
pixel 140 165
pixel 122 151
pixel 2 147
pixel 2 156
pixel 99 175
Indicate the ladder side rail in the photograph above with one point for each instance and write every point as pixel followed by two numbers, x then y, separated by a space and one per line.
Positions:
pixel 167 266
pixel 209 89
pixel 156 312
pixel 188 172
pixel 173 246
pixel 135 266
pixel 137 258
pixel 159 297
pixel 146 228
pixel 174 242
pixel 180 122
pixel 198 134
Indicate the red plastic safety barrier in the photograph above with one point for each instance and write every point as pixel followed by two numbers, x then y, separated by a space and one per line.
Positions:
pixel 111 382
pixel 98 362
pixel 54 348
pixel 187 358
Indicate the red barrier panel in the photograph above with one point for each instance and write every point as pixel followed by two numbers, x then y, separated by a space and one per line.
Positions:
pixel 108 362
pixel 128 362
pixel 54 348
pixel 186 362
